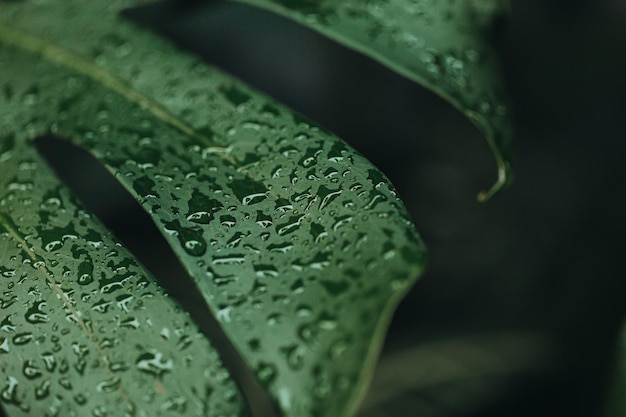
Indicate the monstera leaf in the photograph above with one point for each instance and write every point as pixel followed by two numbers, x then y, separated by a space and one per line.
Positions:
pixel 443 45
pixel 298 246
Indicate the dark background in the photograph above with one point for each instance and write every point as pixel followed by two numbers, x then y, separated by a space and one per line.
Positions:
pixel 519 309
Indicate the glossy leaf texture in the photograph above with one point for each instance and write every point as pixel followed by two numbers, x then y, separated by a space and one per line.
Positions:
pixel 445 45
pixel 84 329
pixel 299 246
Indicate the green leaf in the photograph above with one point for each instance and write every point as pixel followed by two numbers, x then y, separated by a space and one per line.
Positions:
pixel 84 329
pixel 444 45
pixel 298 245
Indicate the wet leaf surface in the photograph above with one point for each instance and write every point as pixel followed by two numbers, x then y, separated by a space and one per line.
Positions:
pixel 299 246
pixel 446 46
pixel 84 329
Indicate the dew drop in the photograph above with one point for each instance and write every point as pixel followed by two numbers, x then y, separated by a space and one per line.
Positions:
pixel 109 385
pixel 42 390
pixel 295 356
pixel 266 373
pixel 154 362
pixel 30 371
pixel 274 319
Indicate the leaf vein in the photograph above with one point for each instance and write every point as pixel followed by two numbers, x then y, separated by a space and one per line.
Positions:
pixel 39 264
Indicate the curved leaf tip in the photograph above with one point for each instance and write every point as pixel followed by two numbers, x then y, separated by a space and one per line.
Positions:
pixel 503 179
pixel 445 46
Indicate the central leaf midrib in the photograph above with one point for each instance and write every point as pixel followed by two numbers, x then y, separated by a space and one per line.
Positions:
pixel 202 315
pixel 70 60
pixel 62 57
pixel 7 223
pixel 74 62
